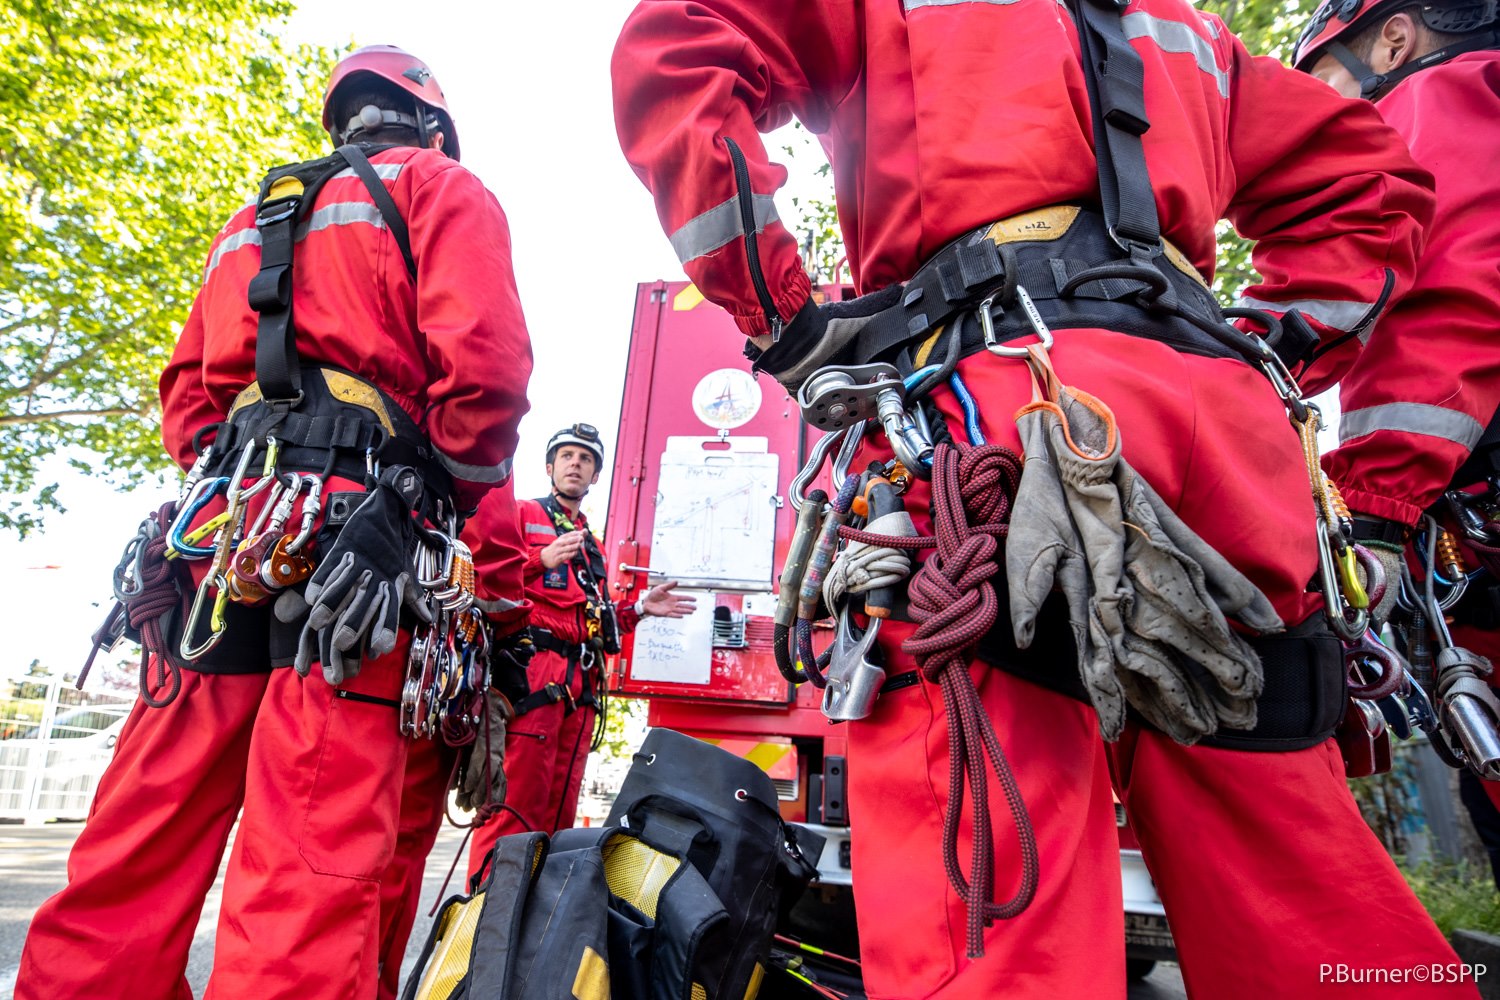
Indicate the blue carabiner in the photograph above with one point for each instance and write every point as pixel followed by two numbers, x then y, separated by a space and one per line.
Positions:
pixel 971 409
pixel 197 500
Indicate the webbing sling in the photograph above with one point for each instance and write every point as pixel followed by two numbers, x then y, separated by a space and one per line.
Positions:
pixel 277 367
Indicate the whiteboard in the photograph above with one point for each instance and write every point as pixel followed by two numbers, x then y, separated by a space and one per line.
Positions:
pixel 716 508
pixel 679 650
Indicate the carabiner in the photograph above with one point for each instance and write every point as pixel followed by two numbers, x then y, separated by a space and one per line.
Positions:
pixel 312 506
pixel 987 324
pixel 1346 627
pixel 215 622
pixel 180 544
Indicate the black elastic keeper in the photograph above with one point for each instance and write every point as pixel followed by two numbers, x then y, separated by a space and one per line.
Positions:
pixel 1378 529
pixel 271 290
pixel 1298 340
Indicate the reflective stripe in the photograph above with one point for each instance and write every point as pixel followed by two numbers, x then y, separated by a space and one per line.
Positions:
pixel 1335 314
pixel 498 606
pixel 1412 418
pixel 1174 36
pixel 340 213
pixel 540 529
pixel 477 473
pixel 229 244
pixel 385 171
pixel 719 225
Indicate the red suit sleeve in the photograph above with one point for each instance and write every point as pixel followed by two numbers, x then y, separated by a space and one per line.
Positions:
pixel 469 312
pixel 1334 201
pixel 493 534
pixel 1428 382
pixel 687 77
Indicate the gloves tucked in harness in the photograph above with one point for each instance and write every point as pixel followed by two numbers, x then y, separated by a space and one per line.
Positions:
pixel 817 336
pixel 1147 598
pixel 354 597
pixel 482 780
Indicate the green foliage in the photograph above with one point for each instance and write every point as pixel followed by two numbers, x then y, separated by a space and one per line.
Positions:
pixel 132 131
pixel 1457 896
pixel 624 728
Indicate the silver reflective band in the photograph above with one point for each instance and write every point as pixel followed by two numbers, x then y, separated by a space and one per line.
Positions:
pixel 1412 418
pixel 477 473
pixel 342 213
pixel 1174 36
pixel 540 529
pixel 1335 314
pixel 719 225
pixel 498 606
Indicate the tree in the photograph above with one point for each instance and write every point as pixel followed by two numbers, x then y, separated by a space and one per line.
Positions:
pixel 132 131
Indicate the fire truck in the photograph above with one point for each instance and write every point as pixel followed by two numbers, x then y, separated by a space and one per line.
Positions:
pixel 704 465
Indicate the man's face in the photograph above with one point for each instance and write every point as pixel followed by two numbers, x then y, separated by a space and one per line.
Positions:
pixel 573 469
pixel 1332 72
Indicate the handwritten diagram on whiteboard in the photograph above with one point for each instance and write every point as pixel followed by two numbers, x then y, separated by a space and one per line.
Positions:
pixel 716 513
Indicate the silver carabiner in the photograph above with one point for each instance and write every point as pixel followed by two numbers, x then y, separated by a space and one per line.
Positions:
pixel 1350 629
pixel 987 324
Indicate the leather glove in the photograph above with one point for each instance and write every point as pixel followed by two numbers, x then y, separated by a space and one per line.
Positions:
pixel 1043 550
pixel 482 781
pixel 818 336
pixel 355 596
pixel 1155 593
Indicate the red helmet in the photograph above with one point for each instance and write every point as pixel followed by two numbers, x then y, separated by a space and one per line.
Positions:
pixel 399 67
pixel 1336 21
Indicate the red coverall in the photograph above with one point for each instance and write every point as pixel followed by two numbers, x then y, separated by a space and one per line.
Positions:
pixel 318 775
pixel 1428 382
pixel 546 749
pixel 933 129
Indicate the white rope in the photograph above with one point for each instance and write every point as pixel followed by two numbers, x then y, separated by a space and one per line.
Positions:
pixel 862 567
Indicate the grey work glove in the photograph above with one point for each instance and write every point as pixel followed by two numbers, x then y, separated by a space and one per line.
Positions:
pixel 1043 550
pixel 482 780
pixel 817 336
pixel 1155 593
pixel 355 596
pixel 1392 559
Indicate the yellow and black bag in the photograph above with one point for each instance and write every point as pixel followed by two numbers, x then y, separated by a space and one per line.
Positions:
pixel 676 898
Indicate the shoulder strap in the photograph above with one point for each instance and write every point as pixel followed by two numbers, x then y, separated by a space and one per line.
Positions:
pixel 1117 100
pixel 360 164
pixel 286 195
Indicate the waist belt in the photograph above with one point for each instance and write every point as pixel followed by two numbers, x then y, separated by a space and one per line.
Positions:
pixel 341 426
pixel 1300 707
pixel 572 651
pixel 1078 277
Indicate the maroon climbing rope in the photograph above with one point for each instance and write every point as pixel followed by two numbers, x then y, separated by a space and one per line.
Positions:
pixel 953 601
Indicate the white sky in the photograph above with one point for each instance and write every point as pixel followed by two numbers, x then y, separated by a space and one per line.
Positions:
pixel 529 88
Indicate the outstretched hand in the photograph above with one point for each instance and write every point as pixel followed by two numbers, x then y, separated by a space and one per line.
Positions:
pixel 662 603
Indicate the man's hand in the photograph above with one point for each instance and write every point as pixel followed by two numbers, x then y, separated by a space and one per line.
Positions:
pixel 660 602
pixel 563 549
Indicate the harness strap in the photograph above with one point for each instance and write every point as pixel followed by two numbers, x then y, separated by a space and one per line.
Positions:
pixel 283 203
pixel 551 694
pixel 1116 78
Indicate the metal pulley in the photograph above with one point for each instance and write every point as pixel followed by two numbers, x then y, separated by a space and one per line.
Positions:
pixel 836 397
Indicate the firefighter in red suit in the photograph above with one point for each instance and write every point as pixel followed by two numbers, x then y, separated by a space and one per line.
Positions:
pixel 548 744
pixel 939 118
pixel 317 763
pixel 1427 385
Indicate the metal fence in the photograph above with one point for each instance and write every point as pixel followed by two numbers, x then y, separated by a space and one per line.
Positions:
pixel 55 742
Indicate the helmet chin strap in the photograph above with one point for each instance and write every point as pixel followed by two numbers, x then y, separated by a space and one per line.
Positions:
pixel 558 490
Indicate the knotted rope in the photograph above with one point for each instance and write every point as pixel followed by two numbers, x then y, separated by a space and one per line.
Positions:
pixel 953 601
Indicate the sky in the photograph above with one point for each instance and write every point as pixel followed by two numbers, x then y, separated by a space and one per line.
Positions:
pixel 530 94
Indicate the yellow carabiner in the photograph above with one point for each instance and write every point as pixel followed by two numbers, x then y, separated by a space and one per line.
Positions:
pixel 1354 591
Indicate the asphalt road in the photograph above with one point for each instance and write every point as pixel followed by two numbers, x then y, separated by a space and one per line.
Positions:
pixel 33 865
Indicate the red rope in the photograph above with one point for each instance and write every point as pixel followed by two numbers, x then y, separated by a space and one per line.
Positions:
pixel 953 601
pixel 157 598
